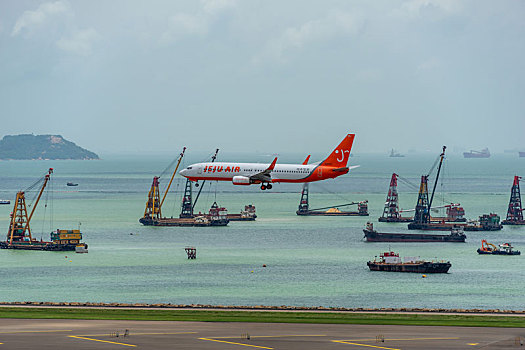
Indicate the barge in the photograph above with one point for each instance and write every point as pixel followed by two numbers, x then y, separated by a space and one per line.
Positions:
pixel 456 236
pixel 304 208
pixel 248 214
pixel 391 262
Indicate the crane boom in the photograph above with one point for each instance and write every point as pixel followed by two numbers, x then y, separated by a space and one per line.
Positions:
pixel 46 180
pixel 172 176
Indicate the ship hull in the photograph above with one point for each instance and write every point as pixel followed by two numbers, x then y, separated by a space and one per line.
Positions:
pixel 239 217
pixel 400 219
pixel 475 155
pixel 47 246
pixel 324 213
pixel 498 252
pixel 188 222
pixel 372 236
pixel 423 267
pixel 509 222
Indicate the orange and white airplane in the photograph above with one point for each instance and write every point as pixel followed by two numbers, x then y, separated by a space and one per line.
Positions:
pixel 256 173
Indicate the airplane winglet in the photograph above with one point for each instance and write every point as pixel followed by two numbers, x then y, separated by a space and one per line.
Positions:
pixel 270 168
pixel 306 160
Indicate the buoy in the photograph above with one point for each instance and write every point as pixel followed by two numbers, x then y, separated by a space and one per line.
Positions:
pixel 70 260
pixel 252 271
pixel 424 276
pixel 264 265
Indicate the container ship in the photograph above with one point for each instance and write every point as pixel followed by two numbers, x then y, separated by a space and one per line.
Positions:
pixel 456 236
pixel 484 153
pixel 391 262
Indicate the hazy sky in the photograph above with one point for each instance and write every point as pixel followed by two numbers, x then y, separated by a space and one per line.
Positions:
pixel 268 76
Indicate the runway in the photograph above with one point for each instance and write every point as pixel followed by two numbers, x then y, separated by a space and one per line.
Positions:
pixel 96 334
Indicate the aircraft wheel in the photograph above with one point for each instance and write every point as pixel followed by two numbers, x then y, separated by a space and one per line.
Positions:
pixel 196 184
pixel 263 187
pixel 269 186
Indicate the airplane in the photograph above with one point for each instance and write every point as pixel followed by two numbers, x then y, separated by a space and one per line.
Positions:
pixel 256 173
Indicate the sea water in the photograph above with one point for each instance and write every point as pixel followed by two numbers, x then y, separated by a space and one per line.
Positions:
pixel 310 261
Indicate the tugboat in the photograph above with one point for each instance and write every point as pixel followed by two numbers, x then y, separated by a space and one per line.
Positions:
pixel 391 262
pixel 504 249
pixel 371 235
pixel 248 214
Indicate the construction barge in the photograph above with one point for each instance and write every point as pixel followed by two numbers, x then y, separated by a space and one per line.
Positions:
pixel 19 235
pixel 504 249
pixel 392 213
pixel 391 262
pixel 456 236
pixel 304 210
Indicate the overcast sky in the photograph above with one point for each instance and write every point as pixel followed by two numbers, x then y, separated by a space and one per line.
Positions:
pixel 269 76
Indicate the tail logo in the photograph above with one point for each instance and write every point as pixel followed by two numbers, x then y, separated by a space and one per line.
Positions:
pixel 342 154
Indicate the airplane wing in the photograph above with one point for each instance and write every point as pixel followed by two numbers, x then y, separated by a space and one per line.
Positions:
pixel 264 176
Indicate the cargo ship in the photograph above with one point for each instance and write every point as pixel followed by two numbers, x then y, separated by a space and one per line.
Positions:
pixel 484 153
pixel 456 236
pixel 391 262
pixel 504 249
pixel 19 235
pixel 248 214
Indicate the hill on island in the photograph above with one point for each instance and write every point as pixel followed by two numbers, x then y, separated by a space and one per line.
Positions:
pixel 29 146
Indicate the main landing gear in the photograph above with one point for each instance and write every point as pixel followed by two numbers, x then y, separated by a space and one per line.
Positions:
pixel 266 186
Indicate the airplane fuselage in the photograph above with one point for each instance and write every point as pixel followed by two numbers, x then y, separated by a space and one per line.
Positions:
pixel 222 171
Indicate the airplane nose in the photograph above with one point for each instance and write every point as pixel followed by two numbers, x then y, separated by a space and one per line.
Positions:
pixel 183 172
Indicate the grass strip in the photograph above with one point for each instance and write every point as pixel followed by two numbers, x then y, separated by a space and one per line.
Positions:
pixel 263 316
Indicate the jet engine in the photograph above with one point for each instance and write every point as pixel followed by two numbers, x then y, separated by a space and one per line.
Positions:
pixel 241 180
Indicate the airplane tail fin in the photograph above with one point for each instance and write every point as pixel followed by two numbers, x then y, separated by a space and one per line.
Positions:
pixel 339 157
pixel 306 160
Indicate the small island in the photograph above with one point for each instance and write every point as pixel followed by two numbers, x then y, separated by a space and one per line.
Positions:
pixel 34 147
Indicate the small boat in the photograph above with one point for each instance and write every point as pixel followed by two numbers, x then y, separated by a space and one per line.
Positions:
pixel 504 249
pixel 71 184
pixel 5 201
pixel 391 262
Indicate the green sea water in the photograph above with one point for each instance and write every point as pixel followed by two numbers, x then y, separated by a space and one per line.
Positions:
pixel 311 261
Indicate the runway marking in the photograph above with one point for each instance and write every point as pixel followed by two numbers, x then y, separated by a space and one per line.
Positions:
pixel 276 336
pixel 102 341
pixel 14 332
pixel 229 342
pixel 104 334
pixel 402 339
pixel 370 346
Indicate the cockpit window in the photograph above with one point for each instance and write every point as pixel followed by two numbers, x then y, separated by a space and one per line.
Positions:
pixel 189 168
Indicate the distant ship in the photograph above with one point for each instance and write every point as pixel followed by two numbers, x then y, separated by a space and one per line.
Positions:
pixel 484 153
pixel 522 154
pixel 71 184
pixel 395 154
pixel 5 201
